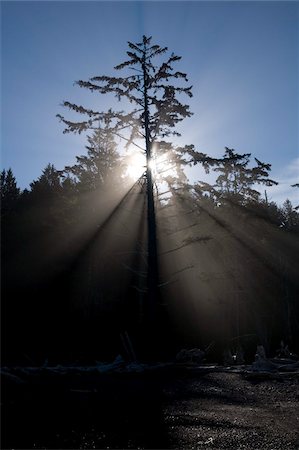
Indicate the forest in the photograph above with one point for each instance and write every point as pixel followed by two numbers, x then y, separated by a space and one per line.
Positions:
pixel 123 244
pixel 73 263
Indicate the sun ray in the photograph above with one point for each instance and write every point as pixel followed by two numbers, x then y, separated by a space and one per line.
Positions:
pixel 161 166
pixel 136 165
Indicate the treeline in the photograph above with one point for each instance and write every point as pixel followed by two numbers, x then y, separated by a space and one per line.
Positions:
pixel 74 270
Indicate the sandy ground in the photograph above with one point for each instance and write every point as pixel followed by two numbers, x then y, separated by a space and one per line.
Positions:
pixel 225 410
pixel 170 409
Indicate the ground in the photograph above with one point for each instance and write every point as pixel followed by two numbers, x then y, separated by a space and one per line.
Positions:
pixel 182 409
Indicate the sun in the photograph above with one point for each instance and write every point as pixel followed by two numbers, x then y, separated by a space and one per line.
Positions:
pixel 160 166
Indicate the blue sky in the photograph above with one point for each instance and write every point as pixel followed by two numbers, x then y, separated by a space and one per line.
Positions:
pixel 241 58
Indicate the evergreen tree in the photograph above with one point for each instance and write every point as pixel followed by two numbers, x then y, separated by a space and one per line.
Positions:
pixel 48 184
pixel 10 193
pixel 153 90
pixel 45 199
pixel 290 216
pixel 101 167
pixel 237 180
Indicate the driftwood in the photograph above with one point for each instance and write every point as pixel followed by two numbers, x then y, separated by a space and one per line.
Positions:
pixel 275 368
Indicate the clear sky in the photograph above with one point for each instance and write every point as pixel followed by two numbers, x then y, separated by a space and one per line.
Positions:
pixel 241 57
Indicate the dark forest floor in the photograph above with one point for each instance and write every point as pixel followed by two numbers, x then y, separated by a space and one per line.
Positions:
pixel 182 409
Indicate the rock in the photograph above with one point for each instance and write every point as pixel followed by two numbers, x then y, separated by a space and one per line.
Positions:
pixel 194 355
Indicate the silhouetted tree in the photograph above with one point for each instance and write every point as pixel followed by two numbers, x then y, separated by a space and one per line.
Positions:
pixel 153 89
pixel 10 193
pixel 237 180
pixel 51 202
pixel 48 184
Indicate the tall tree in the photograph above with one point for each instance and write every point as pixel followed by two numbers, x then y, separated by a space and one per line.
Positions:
pixel 153 90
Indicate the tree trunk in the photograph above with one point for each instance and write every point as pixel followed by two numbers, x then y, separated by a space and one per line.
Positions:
pixel 152 281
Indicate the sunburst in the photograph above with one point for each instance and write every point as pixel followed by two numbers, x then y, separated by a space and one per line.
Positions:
pixel 160 166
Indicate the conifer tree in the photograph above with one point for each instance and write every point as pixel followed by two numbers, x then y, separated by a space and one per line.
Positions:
pixel 101 166
pixel 290 216
pixel 48 184
pixel 9 190
pixel 151 89
pixel 236 181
